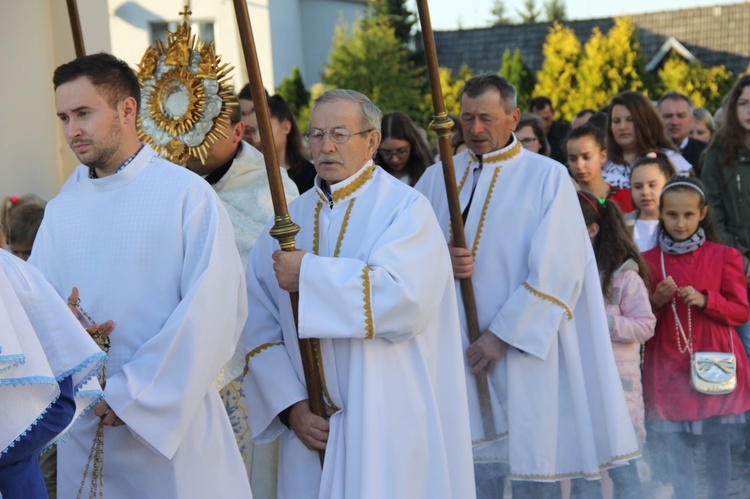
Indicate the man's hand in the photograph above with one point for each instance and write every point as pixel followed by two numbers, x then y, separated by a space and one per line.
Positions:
pixel 311 429
pixel 484 353
pixel 692 298
pixel 462 261
pixel 107 415
pixel 664 292
pixel 286 264
pixel 104 329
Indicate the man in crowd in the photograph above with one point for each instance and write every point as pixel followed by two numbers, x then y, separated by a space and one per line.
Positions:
pixel 676 113
pixel 557 401
pixel 237 173
pixel 556 131
pixel 151 249
pixel 375 288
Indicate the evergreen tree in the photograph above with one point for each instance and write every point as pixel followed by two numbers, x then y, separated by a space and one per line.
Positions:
pixel 555 10
pixel 399 17
pixel 610 64
pixel 515 70
pixel 530 12
pixel 372 60
pixel 294 92
pixel 706 87
pixel 557 77
pixel 452 88
pixel 499 13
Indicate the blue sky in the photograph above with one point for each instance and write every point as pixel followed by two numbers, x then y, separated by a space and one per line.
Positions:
pixel 450 14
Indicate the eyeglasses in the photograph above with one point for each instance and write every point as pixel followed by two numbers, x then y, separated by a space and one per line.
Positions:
pixel 529 140
pixel 337 135
pixel 400 152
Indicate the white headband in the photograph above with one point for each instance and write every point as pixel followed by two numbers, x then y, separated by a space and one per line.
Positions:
pixel 686 184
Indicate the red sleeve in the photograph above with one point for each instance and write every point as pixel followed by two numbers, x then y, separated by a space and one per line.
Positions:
pixel 654 275
pixel 622 198
pixel 729 305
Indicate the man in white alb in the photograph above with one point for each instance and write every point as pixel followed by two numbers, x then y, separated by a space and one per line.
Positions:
pixel 375 287
pixel 557 400
pixel 151 250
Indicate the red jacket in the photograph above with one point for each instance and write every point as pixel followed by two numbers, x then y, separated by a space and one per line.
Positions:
pixel 716 271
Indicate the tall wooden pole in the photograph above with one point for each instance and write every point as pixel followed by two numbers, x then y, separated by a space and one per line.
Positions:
pixel 442 125
pixel 75 27
pixel 284 229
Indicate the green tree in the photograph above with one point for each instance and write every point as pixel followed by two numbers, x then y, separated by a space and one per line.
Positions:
pixel 515 70
pixel 499 13
pixel 452 88
pixel 609 65
pixel 370 58
pixel 557 77
pixel 399 17
pixel 706 87
pixel 555 10
pixel 530 12
pixel 294 92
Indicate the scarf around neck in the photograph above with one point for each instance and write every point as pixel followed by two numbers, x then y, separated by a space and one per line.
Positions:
pixel 672 247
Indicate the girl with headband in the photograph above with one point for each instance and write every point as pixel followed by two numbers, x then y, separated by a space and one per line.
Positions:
pixel 699 296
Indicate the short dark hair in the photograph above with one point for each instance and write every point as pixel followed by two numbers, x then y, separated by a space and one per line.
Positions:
pixel 584 112
pixel 673 95
pixel 247 93
pixel 535 122
pixel 235 113
pixel 479 84
pixel 110 75
pixel 539 103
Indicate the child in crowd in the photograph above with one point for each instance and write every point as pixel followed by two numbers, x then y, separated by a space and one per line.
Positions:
pixel 647 178
pixel 698 295
pixel 631 323
pixel 586 155
pixel 21 217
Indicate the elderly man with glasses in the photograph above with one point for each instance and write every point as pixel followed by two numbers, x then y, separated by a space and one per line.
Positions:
pixel 375 287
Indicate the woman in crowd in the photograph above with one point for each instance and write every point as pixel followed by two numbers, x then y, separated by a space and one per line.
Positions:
pixel 287 138
pixel 402 152
pixel 530 132
pixel 633 129
pixel 703 128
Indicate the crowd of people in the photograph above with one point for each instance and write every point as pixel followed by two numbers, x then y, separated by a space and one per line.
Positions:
pixel 606 337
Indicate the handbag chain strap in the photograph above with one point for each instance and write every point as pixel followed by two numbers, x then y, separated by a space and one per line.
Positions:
pixel 678 324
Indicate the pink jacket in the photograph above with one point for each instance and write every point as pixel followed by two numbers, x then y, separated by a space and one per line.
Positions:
pixel 631 323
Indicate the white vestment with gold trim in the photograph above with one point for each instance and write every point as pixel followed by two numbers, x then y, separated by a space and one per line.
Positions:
pixel 557 398
pixel 376 288
pixel 152 249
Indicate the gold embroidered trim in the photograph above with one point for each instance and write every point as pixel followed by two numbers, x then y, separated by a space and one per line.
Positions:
pixel 500 156
pixel 342 231
pixel 316 250
pixel 486 206
pixel 551 478
pixel 316 228
pixel 549 298
pixel 322 198
pixel 463 179
pixel 369 324
pixel 351 188
pixel 319 362
pixel 485 440
pixel 255 351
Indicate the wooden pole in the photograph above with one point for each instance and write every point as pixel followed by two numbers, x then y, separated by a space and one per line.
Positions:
pixel 284 229
pixel 75 27
pixel 442 125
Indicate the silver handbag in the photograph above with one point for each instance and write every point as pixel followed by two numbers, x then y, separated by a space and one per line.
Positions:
pixel 713 373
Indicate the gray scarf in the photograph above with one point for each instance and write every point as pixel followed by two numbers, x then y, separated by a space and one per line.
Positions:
pixel 672 247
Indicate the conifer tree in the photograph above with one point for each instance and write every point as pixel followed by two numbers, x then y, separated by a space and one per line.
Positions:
pixel 706 87
pixel 555 10
pixel 370 58
pixel 530 12
pixel 399 17
pixel 557 77
pixel 294 92
pixel 499 13
pixel 515 70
